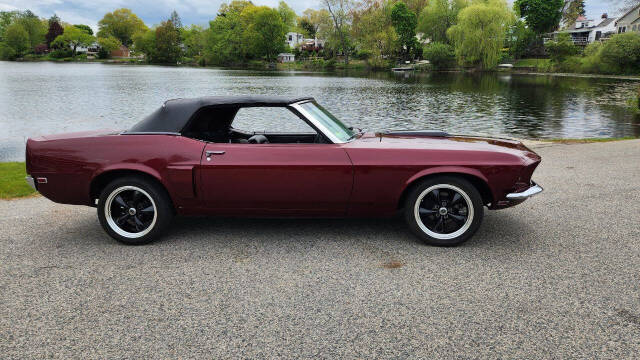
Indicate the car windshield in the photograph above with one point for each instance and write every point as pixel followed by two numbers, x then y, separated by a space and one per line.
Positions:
pixel 330 122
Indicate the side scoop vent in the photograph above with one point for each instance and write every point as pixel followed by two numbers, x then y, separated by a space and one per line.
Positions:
pixel 429 133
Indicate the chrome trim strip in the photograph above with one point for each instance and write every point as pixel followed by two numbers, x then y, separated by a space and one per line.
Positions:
pixel 316 123
pixel 31 182
pixel 150 133
pixel 533 190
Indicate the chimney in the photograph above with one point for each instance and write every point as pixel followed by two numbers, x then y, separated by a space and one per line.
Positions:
pixel 605 16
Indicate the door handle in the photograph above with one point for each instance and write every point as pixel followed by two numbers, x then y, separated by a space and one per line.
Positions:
pixel 214 152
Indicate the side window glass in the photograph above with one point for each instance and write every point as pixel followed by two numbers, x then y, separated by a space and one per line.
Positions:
pixel 275 120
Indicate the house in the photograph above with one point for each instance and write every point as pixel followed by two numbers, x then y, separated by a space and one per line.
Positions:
pixel 294 38
pixel 121 52
pixel 286 57
pixel 312 45
pixel 585 31
pixel 629 21
pixel 90 50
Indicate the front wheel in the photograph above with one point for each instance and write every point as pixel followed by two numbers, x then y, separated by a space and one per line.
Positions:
pixel 444 211
pixel 134 210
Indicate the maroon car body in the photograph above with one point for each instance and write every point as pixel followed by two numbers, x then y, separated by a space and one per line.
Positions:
pixel 366 176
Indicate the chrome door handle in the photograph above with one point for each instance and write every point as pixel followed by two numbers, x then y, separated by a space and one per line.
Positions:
pixel 214 152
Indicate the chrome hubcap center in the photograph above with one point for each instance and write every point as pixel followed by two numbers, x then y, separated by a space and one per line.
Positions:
pixel 132 211
pixel 443 211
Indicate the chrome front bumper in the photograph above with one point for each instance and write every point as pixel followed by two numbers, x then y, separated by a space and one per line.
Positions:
pixel 31 182
pixel 533 190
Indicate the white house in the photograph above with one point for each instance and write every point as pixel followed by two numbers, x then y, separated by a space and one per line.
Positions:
pixel 286 57
pixel 629 21
pixel 293 39
pixel 585 31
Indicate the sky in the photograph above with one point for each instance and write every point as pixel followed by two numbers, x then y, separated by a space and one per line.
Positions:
pixel 191 11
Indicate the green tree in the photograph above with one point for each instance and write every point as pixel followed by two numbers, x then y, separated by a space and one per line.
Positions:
pixel 145 43
pixel 85 28
pixel 17 39
pixel 167 43
pixel 234 7
pixel 55 30
pixel 73 37
pixel 572 12
pixel 224 39
pixel 519 39
pixel 312 20
pixel 341 14
pixel 440 55
pixel 122 24
pixel 438 16
pixel 405 21
pixel 372 30
pixel 107 45
pixel 479 35
pixel 175 20
pixel 288 16
pixel 561 47
pixel 622 52
pixel 34 26
pixel 542 16
pixel 194 40
pixel 265 33
pixel 6 19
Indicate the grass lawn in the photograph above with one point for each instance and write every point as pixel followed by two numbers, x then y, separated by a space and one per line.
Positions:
pixel 12 184
pixel 533 63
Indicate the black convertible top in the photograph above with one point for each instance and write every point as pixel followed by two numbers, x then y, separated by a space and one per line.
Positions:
pixel 175 114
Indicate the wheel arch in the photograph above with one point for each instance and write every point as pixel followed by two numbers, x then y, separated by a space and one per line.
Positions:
pixel 103 178
pixel 476 179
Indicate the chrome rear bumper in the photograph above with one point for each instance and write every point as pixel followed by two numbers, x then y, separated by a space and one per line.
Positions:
pixel 533 190
pixel 31 182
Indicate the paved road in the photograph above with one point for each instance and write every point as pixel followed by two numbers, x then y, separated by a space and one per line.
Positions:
pixel 556 277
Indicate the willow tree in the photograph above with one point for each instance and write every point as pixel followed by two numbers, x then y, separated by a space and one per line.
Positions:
pixel 438 16
pixel 479 35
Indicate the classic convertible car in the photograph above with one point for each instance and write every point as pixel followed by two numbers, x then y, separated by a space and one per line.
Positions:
pixel 215 156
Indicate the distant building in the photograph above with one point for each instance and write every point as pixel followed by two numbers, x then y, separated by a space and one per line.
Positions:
pixel 121 52
pixel 286 57
pixel 629 21
pixel 294 38
pixel 90 50
pixel 585 31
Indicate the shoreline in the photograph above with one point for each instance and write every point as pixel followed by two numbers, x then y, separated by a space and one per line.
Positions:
pixel 356 67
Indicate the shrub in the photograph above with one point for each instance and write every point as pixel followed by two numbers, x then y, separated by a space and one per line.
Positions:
pixel 363 54
pixel 622 53
pixel 439 55
pixel 61 53
pixel 41 49
pixel 561 48
pixel 6 52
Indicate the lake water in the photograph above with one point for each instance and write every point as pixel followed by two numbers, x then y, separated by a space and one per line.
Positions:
pixel 43 98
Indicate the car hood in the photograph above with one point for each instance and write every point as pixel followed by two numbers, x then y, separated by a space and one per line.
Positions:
pixel 446 142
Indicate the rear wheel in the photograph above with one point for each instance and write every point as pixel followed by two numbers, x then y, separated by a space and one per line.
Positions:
pixel 134 210
pixel 444 211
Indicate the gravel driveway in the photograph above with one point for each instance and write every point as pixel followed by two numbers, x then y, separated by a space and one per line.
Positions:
pixel 556 277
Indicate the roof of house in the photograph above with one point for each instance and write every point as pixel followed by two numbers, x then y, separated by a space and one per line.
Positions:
pixel 174 114
pixel 603 23
pixel 606 22
pixel 628 12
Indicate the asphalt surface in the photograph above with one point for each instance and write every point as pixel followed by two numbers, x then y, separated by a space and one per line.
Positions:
pixel 555 277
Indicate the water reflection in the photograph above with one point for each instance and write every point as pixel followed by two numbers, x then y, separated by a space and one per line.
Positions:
pixel 41 98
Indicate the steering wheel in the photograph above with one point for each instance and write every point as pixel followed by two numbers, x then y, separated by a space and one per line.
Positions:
pixel 258 139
